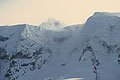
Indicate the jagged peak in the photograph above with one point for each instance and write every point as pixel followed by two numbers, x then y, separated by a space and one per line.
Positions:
pixel 52 20
pixel 52 24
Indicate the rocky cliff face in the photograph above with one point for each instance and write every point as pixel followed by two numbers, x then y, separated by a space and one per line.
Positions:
pixel 90 51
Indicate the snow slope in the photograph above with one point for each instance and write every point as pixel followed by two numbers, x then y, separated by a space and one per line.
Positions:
pixel 53 51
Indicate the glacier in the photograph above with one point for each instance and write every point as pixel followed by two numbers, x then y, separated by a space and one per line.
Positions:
pixel 56 51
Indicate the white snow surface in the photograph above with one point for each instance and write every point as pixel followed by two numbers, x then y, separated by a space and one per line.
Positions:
pixel 54 51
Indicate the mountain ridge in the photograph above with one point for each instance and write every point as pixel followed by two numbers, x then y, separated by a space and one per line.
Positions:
pixel 89 51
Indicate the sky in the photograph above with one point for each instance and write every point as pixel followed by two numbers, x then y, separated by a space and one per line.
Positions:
pixel 69 11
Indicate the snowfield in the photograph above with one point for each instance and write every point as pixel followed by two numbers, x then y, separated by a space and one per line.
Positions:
pixel 54 51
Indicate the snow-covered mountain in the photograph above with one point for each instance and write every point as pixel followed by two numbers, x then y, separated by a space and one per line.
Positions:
pixel 54 51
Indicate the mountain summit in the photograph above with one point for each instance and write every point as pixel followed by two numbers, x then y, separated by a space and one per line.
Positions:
pixel 52 24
